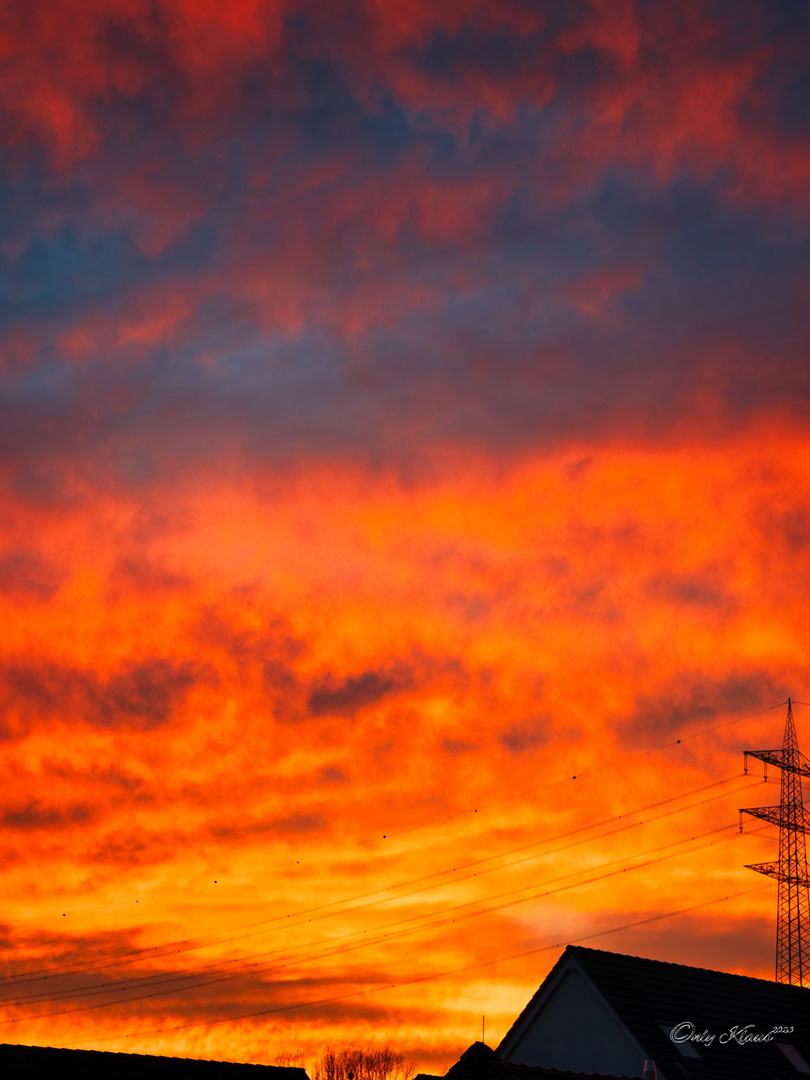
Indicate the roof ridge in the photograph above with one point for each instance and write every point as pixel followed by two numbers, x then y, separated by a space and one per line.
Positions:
pixel 520 1071
pixel 574 949
pixel 152 1057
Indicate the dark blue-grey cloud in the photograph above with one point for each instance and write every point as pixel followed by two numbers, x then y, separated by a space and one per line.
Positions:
pixel 527 735
pixel 141 695
pixel 37 815
pixel 704 590
pixel 25 574
pixel 439 245
pixel 697 697
pixel 346 696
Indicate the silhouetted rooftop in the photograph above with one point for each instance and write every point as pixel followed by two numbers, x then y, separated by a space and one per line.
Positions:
pixel 33 1062
pixel 651 996
pixel 480 1062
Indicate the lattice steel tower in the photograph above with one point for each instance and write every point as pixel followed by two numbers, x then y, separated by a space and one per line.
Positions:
pixel 793 901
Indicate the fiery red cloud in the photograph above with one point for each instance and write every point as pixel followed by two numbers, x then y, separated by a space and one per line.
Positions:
pixel 404 464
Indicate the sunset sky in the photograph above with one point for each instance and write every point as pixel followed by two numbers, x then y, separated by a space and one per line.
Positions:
pixel 404 427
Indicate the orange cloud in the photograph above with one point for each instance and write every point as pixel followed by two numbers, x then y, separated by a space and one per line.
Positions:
pixel 335 738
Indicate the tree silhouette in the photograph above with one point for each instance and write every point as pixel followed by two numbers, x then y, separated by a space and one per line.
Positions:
pixel 353 1063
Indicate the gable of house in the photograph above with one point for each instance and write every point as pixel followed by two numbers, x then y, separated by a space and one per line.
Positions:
pixel 572 1026
pixel 650 998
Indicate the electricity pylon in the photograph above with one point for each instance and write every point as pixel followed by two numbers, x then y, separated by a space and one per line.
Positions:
pixel 790 871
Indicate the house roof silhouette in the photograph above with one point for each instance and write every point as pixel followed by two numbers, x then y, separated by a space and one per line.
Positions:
pixel 480 1062
pixel 602 1011
pixel 35 1062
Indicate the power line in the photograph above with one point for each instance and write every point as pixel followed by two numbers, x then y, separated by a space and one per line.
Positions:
pixel 217 938
pixel 427 978
pixel 217 967
pixel 391 833
pixel 218 975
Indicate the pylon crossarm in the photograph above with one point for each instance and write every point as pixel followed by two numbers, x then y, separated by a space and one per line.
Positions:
pixel 773 757
pixel 769 868
pixel 776 815
pixel 777 758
